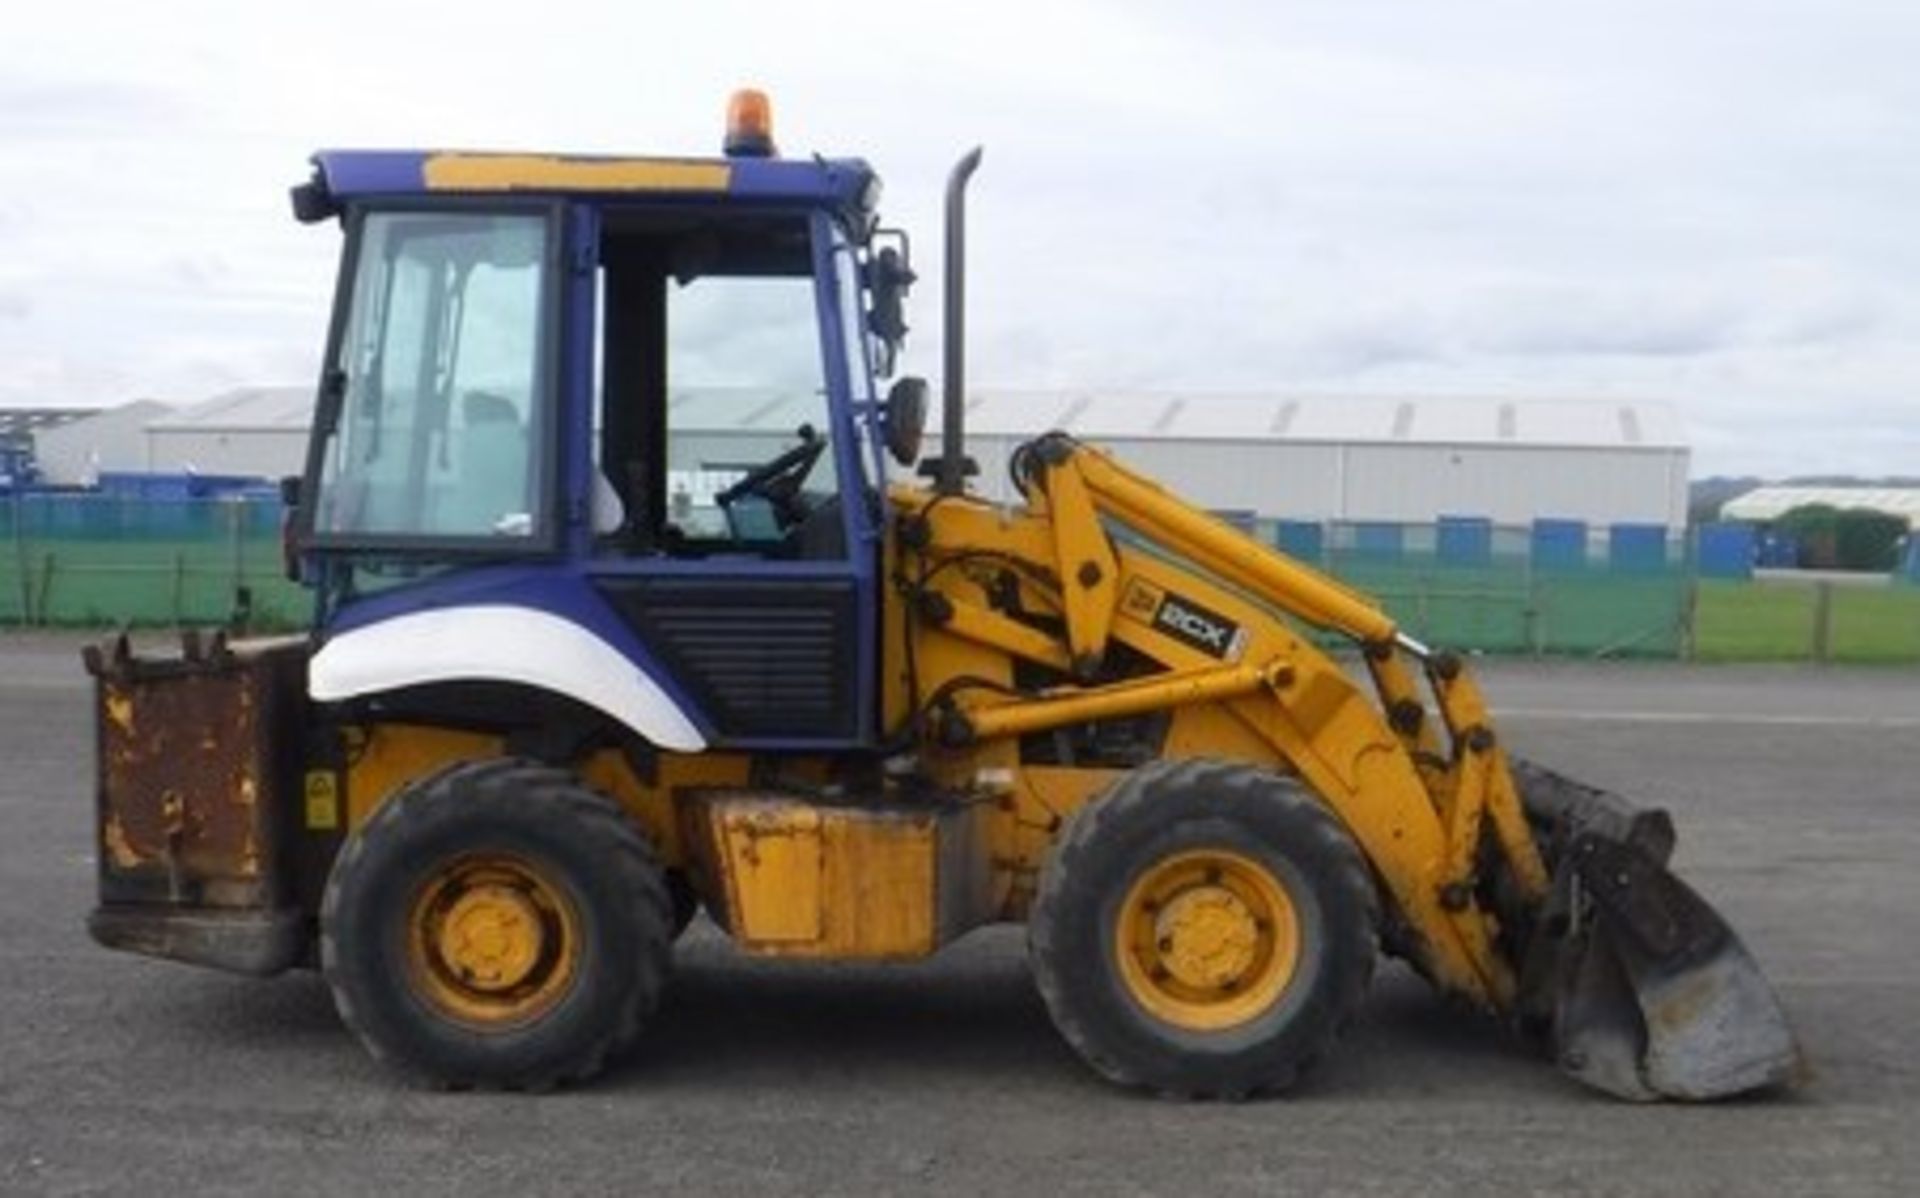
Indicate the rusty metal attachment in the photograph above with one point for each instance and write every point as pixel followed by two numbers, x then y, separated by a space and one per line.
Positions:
pixel 195 786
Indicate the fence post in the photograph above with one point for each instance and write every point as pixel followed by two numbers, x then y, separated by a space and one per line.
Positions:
pixel 46 585
pixel 235 510
pixel 1689 618
pixel 16 507
pixel 1823 622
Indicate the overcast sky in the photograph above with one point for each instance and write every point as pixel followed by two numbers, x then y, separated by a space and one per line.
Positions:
pixel 1717 204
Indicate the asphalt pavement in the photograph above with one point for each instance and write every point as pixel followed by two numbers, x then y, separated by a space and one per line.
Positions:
pixel 1797 795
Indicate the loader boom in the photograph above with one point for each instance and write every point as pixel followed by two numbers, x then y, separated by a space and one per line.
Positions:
pixel 1108 558
pixel 1420 825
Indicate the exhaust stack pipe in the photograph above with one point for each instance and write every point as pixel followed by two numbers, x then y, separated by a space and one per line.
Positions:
pixel 953 467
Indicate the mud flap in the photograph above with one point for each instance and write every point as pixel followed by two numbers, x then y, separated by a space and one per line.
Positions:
pixel 1649 993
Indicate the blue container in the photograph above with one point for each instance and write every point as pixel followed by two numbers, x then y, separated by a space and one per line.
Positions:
pixel 1301 539
pixel 1559 544
pixel 150 488
pixel 1464 540
pixel 215 486
pixel 1778 551
pixel 1378 539
pixel 158 487
pixel 1724 550
pixel 1637 548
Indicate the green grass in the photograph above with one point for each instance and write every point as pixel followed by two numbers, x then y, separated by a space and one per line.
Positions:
pixel 1876 624
pixel 1773 621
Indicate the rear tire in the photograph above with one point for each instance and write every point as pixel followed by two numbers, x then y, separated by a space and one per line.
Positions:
pixel 1203 930
pixel 684 899
pixel 496 925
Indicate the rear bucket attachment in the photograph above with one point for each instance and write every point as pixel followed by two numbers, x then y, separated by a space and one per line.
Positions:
pixel 1649 994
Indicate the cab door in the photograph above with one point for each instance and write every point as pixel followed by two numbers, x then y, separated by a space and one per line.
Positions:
pixel 744 555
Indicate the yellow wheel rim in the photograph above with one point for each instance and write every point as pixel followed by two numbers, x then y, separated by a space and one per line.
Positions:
pixel 492 941
pixel 1207 939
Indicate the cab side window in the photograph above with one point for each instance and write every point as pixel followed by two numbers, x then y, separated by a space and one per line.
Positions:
pixel 744 379
pixel 714 418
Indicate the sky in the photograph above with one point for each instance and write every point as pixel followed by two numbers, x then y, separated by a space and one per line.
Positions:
pixel 1714 204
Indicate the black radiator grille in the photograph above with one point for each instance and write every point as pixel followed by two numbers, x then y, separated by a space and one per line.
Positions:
pixel 762 658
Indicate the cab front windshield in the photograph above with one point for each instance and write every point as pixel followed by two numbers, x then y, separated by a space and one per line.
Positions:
pixel 443 391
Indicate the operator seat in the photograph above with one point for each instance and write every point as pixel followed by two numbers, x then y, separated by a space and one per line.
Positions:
pixel 821 535
pixel 609 514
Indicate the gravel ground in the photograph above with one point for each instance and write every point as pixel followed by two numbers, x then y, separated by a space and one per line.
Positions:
pixel 1796 792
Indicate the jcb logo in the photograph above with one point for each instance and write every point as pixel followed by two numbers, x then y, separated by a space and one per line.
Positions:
pixel 1193 624
pixel 1142 599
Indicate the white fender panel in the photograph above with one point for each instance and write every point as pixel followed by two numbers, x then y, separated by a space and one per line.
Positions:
pixel 506 643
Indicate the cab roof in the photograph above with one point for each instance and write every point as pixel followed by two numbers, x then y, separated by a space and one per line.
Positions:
pixel 343 176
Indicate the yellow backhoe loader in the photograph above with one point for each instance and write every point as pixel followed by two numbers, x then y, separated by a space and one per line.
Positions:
pixel 578 668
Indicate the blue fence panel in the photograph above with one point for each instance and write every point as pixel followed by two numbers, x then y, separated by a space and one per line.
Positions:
pixel 1778 551
pixel 1559 544
pixel 1637 548
pixel 1302 539
pixel 151 488
pixel 1910 569
pixel 1464 540
pixel 155 486
pixel 1724 550
pixel 1378 539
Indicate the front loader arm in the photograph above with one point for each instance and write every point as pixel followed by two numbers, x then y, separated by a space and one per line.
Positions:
pixel 1168 586
pixel 1647 990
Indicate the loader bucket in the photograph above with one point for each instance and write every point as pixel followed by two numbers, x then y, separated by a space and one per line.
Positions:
pixel 1648 992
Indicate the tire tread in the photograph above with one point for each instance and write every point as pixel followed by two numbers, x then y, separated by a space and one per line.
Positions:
pixel 1142 794
pixel 440 797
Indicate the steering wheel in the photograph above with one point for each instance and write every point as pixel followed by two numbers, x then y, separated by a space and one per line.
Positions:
pixel 778 480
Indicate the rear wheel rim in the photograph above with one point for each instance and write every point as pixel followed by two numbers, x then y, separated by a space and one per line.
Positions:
pixel 493 941
pixel 1207 939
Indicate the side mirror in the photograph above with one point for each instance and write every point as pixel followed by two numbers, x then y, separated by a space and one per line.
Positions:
pixel 905 419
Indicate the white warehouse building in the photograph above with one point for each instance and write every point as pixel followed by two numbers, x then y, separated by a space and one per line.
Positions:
pixel 1274 455
pixel 1373 458
pixel 1278 456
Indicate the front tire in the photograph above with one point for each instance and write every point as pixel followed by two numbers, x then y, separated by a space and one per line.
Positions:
pixel 496 925
pixel 1203 930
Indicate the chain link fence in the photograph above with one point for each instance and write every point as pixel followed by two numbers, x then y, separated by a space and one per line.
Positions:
pixel 1550 589
pixel 1555 588
pixel 94 560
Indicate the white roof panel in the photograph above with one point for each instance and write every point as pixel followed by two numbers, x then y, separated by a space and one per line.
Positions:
pixel 1770 503
pixel 1126 415
pixel 251 408
pixel 1279 416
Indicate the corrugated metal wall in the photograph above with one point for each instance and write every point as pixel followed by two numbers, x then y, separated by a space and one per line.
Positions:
pixel 1416 483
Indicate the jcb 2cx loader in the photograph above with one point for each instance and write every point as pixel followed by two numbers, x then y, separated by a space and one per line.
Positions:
pixel 578 669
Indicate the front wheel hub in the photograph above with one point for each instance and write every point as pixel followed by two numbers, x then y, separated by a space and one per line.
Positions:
pixel 1207 939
